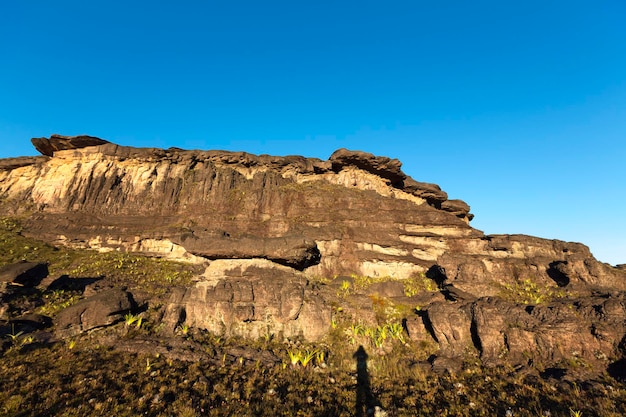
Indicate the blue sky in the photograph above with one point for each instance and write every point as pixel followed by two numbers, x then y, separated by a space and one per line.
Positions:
pixel 518 108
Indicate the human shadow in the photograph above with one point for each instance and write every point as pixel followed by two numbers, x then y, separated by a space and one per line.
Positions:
pixel 365 399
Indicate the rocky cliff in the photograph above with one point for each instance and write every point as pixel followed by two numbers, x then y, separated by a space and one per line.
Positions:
pixel 292 243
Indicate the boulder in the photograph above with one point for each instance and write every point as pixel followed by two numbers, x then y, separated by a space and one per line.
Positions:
pixel 444 365
pixel 56 143
pixel 457 207
pixel 501 329
pixel 100 310
pixel 451 325
pixel 379 165
pixel 417 329
pixel 27 274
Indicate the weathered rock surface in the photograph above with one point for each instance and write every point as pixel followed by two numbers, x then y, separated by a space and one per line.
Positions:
pixel 251 298
pixel 102 309
pixel 22 161
pixel 288 250
pixel 556 332
pixel 31 322
pixel 451 327
pixel 28 274
pixel 383 167
pixel 116 197
pixel 56 143
pixel 189 351
pixel 268 226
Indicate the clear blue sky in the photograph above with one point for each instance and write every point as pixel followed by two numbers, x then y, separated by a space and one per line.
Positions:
pixel 518 108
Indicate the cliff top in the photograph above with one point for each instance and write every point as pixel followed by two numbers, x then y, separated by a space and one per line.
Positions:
pixel 383 167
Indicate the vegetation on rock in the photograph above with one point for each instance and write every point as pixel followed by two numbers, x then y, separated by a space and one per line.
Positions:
pixel 423 315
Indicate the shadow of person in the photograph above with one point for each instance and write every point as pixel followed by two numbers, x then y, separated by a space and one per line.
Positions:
pixel 365 400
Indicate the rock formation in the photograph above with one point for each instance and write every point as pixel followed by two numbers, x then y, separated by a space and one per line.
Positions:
pixel 57 143
pixel 267 227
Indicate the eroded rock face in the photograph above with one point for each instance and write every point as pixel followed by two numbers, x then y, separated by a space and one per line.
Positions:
pixel 283 209
pixel 451 325
pixel 288 250
pixel 9 164
pixel 384 167
pixel 56 143
pixel 251 298
pixel 504 332
pixel 266 226
pixel 102 309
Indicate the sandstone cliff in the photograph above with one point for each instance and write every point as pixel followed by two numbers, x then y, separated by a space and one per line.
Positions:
pixel 267 227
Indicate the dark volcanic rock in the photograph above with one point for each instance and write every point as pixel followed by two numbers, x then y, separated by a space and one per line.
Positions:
pixel 61 143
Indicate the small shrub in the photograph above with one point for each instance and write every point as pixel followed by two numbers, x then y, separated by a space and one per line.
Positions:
pixel 58 300
pixel 530 292
pixel 305 356
pixel 397 331
pixel 14 336
pixel 294 357
pixel 344 290
pixel 418 284
pixel 183 329
pixel 131 319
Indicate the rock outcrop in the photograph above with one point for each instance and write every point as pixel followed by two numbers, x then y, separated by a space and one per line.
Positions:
pixel 252 298
pixel 28 274
pixel 268 227
pixel 99 310
pixel 57 143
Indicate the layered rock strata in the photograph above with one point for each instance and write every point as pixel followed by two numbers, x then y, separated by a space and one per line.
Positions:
pixel 267 227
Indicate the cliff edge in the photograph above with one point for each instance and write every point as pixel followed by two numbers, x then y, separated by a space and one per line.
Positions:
pixel 284 240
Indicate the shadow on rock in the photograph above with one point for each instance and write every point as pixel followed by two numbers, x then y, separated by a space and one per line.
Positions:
pixel 26 274
pixel 66 283
pixel 617 369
